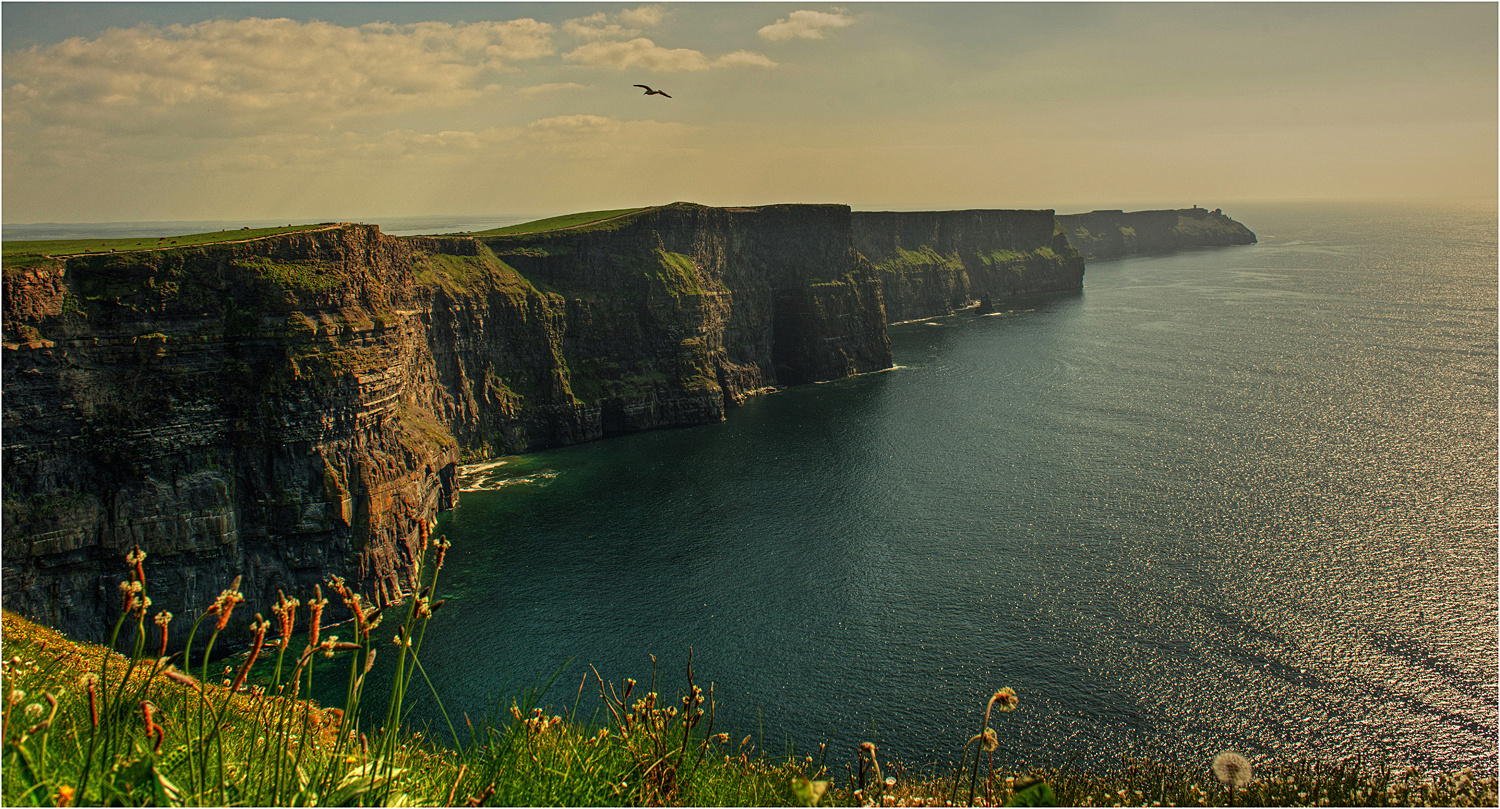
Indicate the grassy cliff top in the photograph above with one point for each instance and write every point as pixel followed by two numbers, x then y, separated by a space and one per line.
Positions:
pixel 564 222
pixel 16 253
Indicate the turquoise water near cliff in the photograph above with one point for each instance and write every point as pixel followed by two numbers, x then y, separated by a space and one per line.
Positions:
pixel 1241 498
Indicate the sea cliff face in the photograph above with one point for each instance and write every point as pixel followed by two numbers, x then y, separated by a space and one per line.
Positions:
pixel 295 406
pixel 934 263
pixel 253 408
pixel 1111 234
pixel 292 407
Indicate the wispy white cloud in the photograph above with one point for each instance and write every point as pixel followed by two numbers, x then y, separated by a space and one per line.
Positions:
pixel 230 76
pixel 555 135
pixel 805 24
pixel 628 23
pixel 644 16
pixel 748 58
pixel 642 53
pixel 554 87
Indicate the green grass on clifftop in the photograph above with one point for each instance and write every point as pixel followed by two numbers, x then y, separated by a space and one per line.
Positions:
pixel 19 253
pixel 572 220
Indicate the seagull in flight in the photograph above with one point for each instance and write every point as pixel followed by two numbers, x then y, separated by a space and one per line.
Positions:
pixel 651 92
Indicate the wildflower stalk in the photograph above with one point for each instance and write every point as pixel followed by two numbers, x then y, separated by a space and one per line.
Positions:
pixel 88 761
pixel 987 739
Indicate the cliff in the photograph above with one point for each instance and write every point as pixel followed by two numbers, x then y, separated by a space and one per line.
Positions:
pixel 255 408
pixel 934 263
pixel 294 406
pixel 664 317
pixel 1111 234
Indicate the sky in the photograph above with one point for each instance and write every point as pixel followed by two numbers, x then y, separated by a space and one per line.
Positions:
pixel 351 111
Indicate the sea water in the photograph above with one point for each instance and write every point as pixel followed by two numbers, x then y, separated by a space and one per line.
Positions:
pixel 1240 498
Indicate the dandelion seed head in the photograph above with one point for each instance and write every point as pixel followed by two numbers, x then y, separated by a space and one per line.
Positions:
pixel 1232 769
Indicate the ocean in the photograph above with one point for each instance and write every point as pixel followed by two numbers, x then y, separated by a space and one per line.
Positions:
pixel 1238 498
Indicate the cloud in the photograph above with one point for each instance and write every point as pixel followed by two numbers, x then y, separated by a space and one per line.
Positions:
pixel 627 23
pixel 244 75
pixel 644 16
pixel 805 25
pixel 573 126
pixel 541 89
pixel 748 58
pixel 642 53
pixel 558 134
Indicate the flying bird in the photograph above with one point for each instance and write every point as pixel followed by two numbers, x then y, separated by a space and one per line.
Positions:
pixel 651 92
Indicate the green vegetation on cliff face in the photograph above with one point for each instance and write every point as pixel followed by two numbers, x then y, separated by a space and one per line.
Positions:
pixel 1111 234
pixel 936 263
pixel 199 398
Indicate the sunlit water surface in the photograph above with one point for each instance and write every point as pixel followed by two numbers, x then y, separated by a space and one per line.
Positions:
pixel 1237 498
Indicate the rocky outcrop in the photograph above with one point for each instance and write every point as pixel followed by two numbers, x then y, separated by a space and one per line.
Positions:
pixel 1111 234
pixel 934 263
pixel 253 408
pixel 295 406
pixel 662 318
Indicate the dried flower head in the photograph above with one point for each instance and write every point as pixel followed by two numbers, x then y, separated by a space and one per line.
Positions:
pixel 148 712
pixel 286 615
pixel 224 604
pixel 315 606
pixel 92 688
pixel 1232 769
pixel 1005 699
pixel 134 559
pixel 162 619
pixel 259 627
pixel 176 676
pixel 128 592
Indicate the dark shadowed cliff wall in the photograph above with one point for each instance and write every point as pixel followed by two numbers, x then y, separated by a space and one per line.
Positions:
pixel 259 408
pixel 934 263
pixel 295 406
pixel 1111 234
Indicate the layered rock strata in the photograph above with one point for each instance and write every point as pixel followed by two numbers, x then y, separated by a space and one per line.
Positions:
pixel 934 263
pixel 262 409
pixel 295 406
pixel 1112 234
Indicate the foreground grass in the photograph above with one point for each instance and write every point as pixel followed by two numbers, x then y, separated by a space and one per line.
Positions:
pixel 86 726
